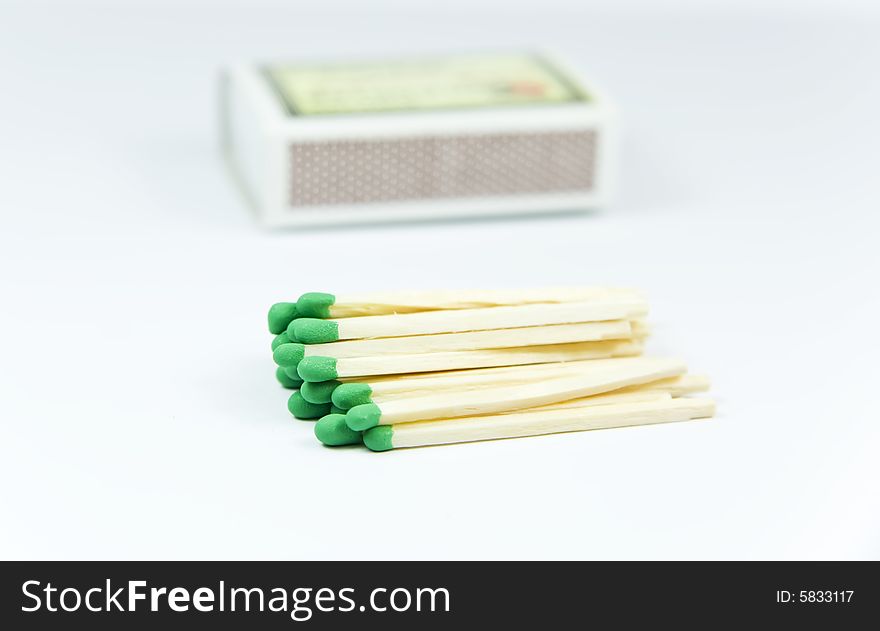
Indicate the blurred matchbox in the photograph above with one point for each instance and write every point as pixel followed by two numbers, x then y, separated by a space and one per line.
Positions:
pixel 434 137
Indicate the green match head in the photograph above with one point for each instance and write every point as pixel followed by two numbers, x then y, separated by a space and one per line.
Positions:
pixel 286 380
pixel 288 355
pixel 319 391
pixel 301 408
pixel 280 339
pixel 363 417
pixel 314 331
pixel 318 368
pixel 379 438
pixel 348 395
pixel 336 410
pixel 315 305
pixel 280 315
pixel 332 430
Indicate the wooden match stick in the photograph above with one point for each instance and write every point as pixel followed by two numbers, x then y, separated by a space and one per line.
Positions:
pixel 351 394
pixel 325 305
pixel 474 340
pixel 317 331
pixel 535 423
pixel 608 398
pixel 603 377
pixel 375 390
pixel 346 395
pixel 471 373
pixel 328 368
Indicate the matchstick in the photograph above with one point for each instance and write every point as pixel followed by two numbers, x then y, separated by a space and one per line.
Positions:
pixel 316 331
pixel 378 389
pixel 471 340
pixel 327 368
pixel 408 380
pixel 347 395
pixel 325 305
pixel 604 377
pixel 535 423
pixel 608 398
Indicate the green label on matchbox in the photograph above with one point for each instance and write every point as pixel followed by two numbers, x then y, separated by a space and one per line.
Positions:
pixel 461 81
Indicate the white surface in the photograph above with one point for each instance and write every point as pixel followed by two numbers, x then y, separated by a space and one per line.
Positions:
pixel 140 417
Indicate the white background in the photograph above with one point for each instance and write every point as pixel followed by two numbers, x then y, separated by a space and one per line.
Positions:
pixel 140 416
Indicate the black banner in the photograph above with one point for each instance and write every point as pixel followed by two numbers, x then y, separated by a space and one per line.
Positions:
pixel 429 595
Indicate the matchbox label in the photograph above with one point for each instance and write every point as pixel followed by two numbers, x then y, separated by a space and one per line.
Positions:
pixel 466 81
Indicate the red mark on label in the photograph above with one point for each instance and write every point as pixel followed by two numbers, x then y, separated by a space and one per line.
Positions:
pixel 527 88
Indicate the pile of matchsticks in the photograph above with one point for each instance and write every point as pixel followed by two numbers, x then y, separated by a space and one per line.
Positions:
pixel 410 369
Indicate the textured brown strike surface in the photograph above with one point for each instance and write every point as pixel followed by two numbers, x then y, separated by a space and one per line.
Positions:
pixel 351 172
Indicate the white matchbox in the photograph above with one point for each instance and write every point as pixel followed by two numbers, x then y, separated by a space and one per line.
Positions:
pixel 420 138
